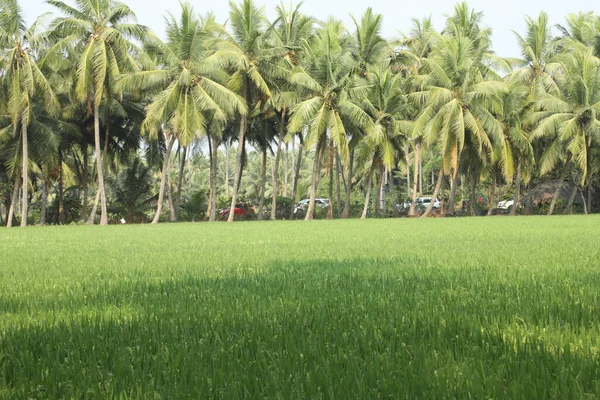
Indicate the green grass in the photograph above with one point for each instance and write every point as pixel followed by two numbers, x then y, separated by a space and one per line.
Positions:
pixel 442 308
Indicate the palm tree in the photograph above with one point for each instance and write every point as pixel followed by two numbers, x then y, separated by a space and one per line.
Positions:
pixel 132 190
pixel 26 82
pixel 190 89
pixel 328 82
pixel 570 119
pixel 100 30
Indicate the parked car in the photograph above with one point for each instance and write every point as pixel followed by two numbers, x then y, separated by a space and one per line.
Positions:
pixel 240 210
pixel 303 204
pixel 421 204
pixel 506 204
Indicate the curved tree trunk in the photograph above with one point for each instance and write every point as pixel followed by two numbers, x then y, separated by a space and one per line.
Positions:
pixel 310 213
pixel 172 212
pixel 368 191
pixel 348 185
pixel 296 177
pixel 569 207
pixel 515 207
pixel 438 185
pixel 276 167
pixel 563 176
pixel 413 203
pixel 161 194
pixel 25 171
pixel 180 181
pixel 263 181
pixel 240 152
pixel 13 201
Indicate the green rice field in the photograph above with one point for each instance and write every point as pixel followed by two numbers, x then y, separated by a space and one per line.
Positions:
pixel 482 308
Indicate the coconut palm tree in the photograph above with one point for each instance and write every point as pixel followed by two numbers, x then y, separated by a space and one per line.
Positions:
pixel 101 33
pixel 26 83
pixel 190 90
pixel 328 81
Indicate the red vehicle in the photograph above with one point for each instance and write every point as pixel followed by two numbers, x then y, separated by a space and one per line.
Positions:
pixel 240 210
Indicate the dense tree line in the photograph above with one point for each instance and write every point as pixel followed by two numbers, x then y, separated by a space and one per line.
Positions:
pixel 100 115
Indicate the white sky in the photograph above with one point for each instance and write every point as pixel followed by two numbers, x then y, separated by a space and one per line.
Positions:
pixel 501 16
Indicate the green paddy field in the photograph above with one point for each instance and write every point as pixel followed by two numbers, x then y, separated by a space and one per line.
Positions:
pixel 498 308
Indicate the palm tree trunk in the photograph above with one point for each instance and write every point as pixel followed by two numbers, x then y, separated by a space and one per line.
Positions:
pixel 368 191
pixel 211 178
pixel 420 173
pixel 473 193
pixel 452 200
pixel 330 207
pixel 529 207
pixel 563 176
pixel 44 195
pixel 61 190
pixel 338 183
pixel 85 185
pixel 276 167
pixel 296 177
pixel 240 152
pixel 212 217
pixel 379 190
pixel 569 208
pixel 407 158
pixel 172 212
pixel 310 213
pixel 161 194
pixel 438 185
pixel 180 181
pixel 227 147
pixel 263 181
pixel 348 186
pixel 413 203
pixel 13 202
pixel 100 166
pixel 25 171
pixel 492 203
pixel 517 200
pixel 589 196
pixel 286 168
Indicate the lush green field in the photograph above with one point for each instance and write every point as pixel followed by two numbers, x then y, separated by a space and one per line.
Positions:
pixel 442 308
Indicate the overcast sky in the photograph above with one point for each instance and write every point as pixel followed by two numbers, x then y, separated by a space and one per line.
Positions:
pixel 501 16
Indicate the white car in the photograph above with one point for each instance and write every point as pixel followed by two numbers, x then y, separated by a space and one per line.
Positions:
pixel 505 205
pixel 303 204
pixel 422 202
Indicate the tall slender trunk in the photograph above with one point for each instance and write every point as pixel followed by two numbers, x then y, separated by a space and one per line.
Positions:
pixel 13 202
pixel 227 148
pixel 61 190
pixel 44 197
pixel 379 190
pixel 263 181
pixel 590 170
pixel 529 206
pixel 438 185
pixel 330 168
pixel 569 208
pixel 452 199
pixel 85 185
pixel 585 206
pixel 517 200
pixel 589 196
pixel 413 203
pixel 338 183
pixel 420 173
pixel 92 217
pixel 393 195
pixel 407 158
pixel 172 212
pixel 368 191
pixel 276 167
pixel 310 213
pixel 180 181
pixel 296 177
pixel 492 203
pixel 169 140
pixel 556 194
pixel 240 152
pixel 348 184
pixel 212 217
pixel 286 169
pixel 211 177
pixel 25 170
pixel 100 166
